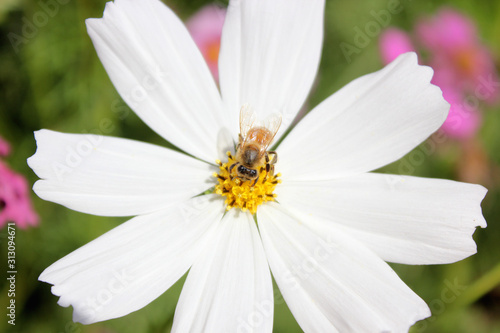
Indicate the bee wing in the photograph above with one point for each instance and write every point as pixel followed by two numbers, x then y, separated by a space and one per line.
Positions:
pixel 272 124
pixel 247 120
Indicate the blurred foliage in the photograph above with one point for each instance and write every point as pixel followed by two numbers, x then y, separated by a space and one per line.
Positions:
pixel 53 79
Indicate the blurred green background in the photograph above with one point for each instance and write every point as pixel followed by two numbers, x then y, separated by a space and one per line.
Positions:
pixel 54 80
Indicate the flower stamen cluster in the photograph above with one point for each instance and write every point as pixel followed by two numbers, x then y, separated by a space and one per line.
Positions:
pixel 245 194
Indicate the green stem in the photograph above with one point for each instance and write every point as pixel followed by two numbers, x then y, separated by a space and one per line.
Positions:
pixel 480 287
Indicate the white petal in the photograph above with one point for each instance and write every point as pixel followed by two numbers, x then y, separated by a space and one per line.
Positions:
pixel 159 72
pixel 131 265
pixel 270 52
pixel 229 288
pixel 373 121
pixel 403 219
pixel 111 176
pixel 331 282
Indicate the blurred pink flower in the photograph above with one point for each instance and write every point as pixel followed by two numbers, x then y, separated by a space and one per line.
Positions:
pixel 15 202
pixel 463 67
pixel 448 29
pixel 394 42
pixel 463 121
pixel 205 27
pixel 455 49
pixel 4 147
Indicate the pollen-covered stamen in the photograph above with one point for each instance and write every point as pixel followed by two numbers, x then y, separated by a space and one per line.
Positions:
pixel 245 194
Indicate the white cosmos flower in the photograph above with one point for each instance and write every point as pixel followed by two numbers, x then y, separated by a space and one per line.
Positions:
pixel 327 238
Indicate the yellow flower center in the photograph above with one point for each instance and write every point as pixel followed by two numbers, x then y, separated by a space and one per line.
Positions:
pixel 244 194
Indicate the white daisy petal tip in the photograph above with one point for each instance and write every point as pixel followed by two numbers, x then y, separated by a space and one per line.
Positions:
pixel 478 193
pixel 104 175
pixel 159 72
pixel 422 313
pixel 80 315
pixel 32 161
pixel 35 164
pixel 403 219
pixel 369 123
pixel 83 312
pixel 292 33
pixel 427 74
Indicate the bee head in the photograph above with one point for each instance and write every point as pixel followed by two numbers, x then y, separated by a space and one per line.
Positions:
pixel 246 172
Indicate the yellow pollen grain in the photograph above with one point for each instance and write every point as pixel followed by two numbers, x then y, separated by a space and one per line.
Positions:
pixel 241 194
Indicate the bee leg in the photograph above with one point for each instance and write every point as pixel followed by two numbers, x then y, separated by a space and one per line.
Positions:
pixel 255 181
pixel 268 166
pixel 231 169
pixel 275 156
pixel 270 163
pixel 262 170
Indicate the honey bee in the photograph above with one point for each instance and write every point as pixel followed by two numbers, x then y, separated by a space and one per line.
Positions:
pixel 252 156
